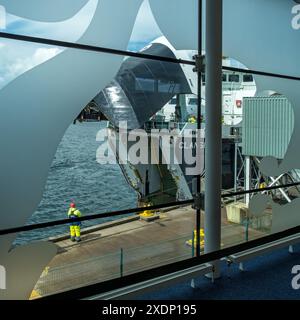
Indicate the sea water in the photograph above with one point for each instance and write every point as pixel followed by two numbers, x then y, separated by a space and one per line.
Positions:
pixel 76 176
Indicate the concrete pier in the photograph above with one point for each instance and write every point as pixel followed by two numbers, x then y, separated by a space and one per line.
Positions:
pixel 145 245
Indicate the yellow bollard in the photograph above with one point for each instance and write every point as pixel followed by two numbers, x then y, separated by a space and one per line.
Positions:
pixel 192 242
pixel 147 213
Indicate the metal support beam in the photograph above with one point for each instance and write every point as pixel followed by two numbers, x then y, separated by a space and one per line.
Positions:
pixel 275 181
pixel 242 168
pixel 235 167
pixel 199 70
pixel 213 129
pixel 247 178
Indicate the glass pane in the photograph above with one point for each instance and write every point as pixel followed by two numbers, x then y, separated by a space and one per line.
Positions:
pixel 116 249
pixel 68 144
pixel 265 125
pixel 92 22
pixel 185 15
pixel 262 50
pixel 98 23
pixel 50 95
pixel 260 150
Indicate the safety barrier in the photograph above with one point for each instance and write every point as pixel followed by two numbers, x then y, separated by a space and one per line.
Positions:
pixel 269 247
pixel 156 283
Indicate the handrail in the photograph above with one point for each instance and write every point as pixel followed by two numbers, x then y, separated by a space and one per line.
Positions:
pixel 66 44
pixel 128 211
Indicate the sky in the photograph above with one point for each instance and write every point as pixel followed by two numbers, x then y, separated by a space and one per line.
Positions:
pixel 18 57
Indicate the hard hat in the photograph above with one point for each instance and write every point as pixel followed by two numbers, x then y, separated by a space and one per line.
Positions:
pixel 72 205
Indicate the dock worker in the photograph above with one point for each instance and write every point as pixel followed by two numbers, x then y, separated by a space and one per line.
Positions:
pixel 76 225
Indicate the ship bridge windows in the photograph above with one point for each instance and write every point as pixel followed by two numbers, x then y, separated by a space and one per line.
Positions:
pixel 144 84
pixel 234 78
pixel 156 86
pixel 247 78
pixel 224 77
pixel 168 86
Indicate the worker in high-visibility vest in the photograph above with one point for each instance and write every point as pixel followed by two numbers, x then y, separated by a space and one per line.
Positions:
pixel 74 226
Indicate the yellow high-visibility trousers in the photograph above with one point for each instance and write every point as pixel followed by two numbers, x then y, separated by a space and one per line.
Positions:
pixel 72 231
pixel 75 232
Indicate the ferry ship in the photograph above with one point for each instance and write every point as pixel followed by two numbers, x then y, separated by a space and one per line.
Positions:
pixel 149 94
